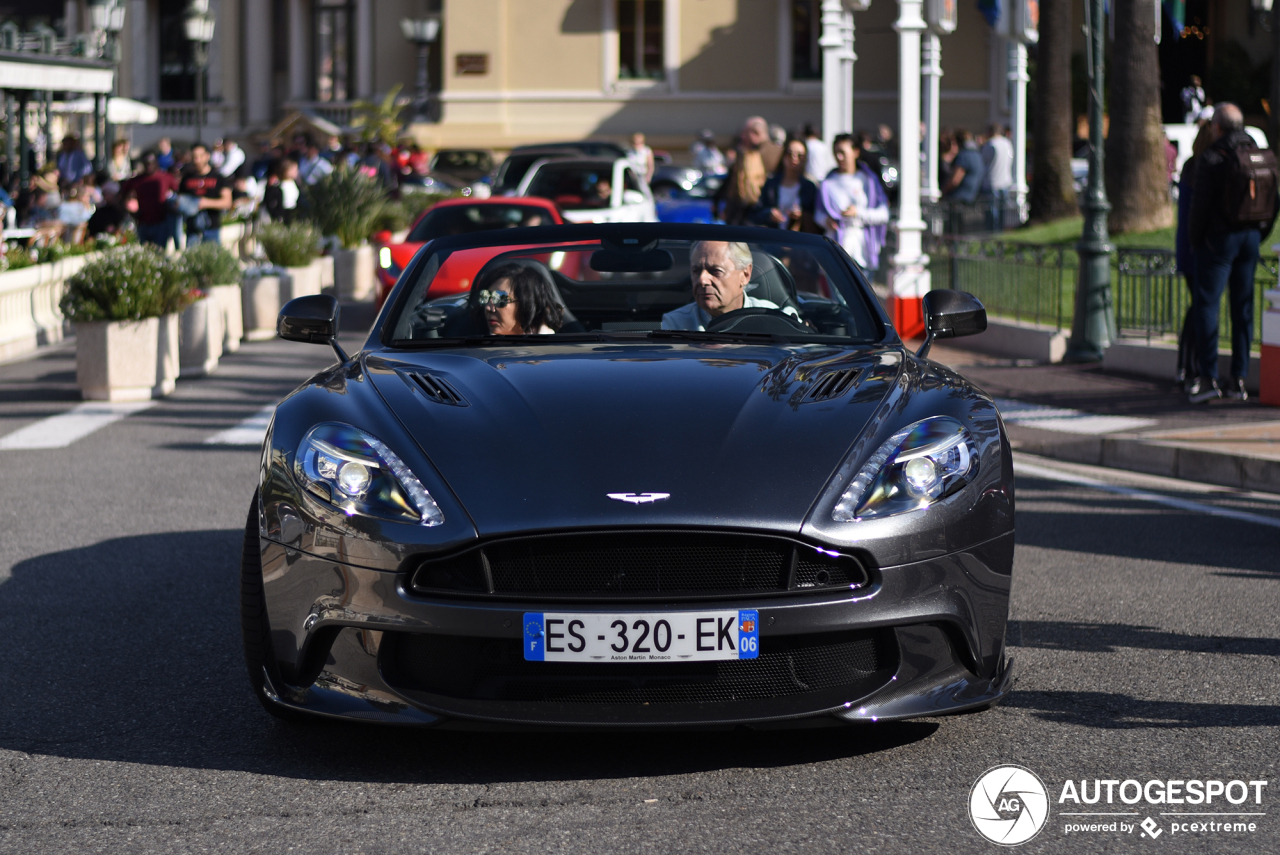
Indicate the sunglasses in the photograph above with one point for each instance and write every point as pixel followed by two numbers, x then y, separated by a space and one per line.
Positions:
pixel 496 299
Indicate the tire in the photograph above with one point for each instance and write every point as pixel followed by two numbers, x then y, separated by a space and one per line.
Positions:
pixel 254 627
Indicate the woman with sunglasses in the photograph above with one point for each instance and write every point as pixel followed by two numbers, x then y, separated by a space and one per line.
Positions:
pixel 516 300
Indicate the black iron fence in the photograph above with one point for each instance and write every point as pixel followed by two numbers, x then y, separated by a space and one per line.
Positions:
pixel 1037 283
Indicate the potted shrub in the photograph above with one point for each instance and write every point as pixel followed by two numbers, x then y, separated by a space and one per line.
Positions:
pixel 215 270
pixel 202 325
pixel 294 247
pixel 347 204
pixel 116 303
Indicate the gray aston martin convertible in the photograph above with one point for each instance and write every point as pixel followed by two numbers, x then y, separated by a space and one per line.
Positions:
pixel 630 476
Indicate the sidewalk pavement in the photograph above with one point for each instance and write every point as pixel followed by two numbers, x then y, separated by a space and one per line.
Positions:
pixel 1084 414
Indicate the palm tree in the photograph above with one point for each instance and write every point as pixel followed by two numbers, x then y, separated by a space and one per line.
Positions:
pixel 1053 192
pixel 1137 171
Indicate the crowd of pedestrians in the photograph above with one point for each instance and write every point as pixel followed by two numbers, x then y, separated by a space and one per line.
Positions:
pixel 180 197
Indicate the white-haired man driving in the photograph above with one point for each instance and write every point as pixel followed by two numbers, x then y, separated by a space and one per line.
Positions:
pixel 721 271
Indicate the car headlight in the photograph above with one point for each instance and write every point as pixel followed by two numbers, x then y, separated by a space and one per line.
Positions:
pixel 916 467
pixel 357 474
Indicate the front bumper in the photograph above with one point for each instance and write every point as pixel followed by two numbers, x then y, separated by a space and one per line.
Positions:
pixel 925 638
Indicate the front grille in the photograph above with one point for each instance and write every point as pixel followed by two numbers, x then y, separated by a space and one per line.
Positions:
pixel 476 669
pixel 639 565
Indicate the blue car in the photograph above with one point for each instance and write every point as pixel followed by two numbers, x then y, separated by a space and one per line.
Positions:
pixel 694 205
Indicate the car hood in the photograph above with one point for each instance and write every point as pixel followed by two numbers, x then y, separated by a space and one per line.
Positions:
pixel 547 432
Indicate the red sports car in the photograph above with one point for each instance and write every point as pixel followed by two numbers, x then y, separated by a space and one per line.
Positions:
pixel 459 217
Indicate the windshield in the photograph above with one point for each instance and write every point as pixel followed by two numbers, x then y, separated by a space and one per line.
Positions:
pixel 670 288
pixel 477 160
pixel 574 186
pixel 445 220
pixel 514 168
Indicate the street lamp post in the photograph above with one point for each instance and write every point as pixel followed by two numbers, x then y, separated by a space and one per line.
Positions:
pixel 1093 327
pixel 422 32
pixel 107 19
pixel 198 24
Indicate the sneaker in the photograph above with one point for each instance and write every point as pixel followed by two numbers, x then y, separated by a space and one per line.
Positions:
pixel 1203 390
pixel 1236 390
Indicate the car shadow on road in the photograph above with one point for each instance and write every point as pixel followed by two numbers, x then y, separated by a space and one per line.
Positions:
pixel 1107 637
pixel 1099 523
pixel 129 650
pixel 1111 711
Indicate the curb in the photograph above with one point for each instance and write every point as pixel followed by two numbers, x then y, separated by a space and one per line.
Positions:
pixel 1162 458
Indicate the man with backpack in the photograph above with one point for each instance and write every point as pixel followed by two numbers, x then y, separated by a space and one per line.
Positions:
pixel 1234 205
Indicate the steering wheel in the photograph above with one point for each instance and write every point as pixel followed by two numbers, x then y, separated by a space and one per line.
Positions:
pixel 758 319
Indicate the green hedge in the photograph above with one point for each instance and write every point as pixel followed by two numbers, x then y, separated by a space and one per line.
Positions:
pixel 128 283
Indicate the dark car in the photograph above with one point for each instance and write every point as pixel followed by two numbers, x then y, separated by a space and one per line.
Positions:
pixel 518 161
pixel 464 165
pixel 647 514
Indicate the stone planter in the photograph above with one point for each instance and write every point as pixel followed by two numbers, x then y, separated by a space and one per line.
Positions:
pixel 117 360
pixel 167 356
pixel 201 337
pixel 228 297
pixel 301 281
pixel 326 272
pixel 260 298
pixel 353 274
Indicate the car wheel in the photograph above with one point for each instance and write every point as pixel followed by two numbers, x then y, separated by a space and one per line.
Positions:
pixel 254 627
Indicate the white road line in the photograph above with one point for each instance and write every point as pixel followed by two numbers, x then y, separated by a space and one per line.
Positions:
pixel 251 431
pixel 1066 420
pixel 76 423
pixel 1142 495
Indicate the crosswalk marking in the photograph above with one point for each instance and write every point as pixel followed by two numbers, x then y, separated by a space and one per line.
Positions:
pixel 76 423
pixel 251 431
pixel 1066 420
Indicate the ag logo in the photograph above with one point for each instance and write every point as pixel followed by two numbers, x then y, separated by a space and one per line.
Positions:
pixel 1008 805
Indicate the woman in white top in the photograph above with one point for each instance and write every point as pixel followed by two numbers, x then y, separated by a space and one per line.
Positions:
pixel 641 157
pixel 515 300
pixel 850 206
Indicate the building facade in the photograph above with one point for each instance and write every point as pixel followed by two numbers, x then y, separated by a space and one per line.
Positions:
pixel 504 72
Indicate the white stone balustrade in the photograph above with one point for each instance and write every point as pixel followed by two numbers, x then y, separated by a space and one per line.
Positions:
pixel 29 297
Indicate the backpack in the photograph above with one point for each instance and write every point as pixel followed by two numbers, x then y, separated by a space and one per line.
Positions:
pixel 1249 191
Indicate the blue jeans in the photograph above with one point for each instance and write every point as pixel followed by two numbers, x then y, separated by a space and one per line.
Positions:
pixel 995 209
pixel 156 234
pixel 1227 259
pixel 195 238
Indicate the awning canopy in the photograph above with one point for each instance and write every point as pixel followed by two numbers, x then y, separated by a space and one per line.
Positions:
pixel 120 111
pixel 42 72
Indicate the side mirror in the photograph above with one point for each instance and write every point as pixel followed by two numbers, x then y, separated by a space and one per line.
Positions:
pixel 312 319
pixel 951 314
pixel 632 197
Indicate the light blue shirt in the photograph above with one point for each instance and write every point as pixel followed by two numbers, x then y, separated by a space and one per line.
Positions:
pixel 694 317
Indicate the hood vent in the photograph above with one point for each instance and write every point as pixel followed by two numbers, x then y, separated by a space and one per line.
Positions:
pixel 437 389
pixel 832 385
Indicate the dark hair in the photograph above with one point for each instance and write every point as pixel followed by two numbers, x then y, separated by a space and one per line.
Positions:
pixel 962 136
pixel 843 138
pixel 536 303
pixel 786 144
pixel 198 144
pixel 279 167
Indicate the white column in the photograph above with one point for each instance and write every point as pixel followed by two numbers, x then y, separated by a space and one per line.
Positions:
pixel 671 44
pixel 71 18
pixel 832 43
pixel 257 62
pixel 139 49
pixel 1019 77
pixel 929 190
pixel 847 56
pixel 909 272
pixel 299 71
pixel 364 48
pixel 609 47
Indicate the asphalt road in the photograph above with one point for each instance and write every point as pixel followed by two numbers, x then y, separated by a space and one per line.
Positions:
pixel 1145 637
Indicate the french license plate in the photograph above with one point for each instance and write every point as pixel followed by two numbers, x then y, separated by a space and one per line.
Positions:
pixel 641 636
